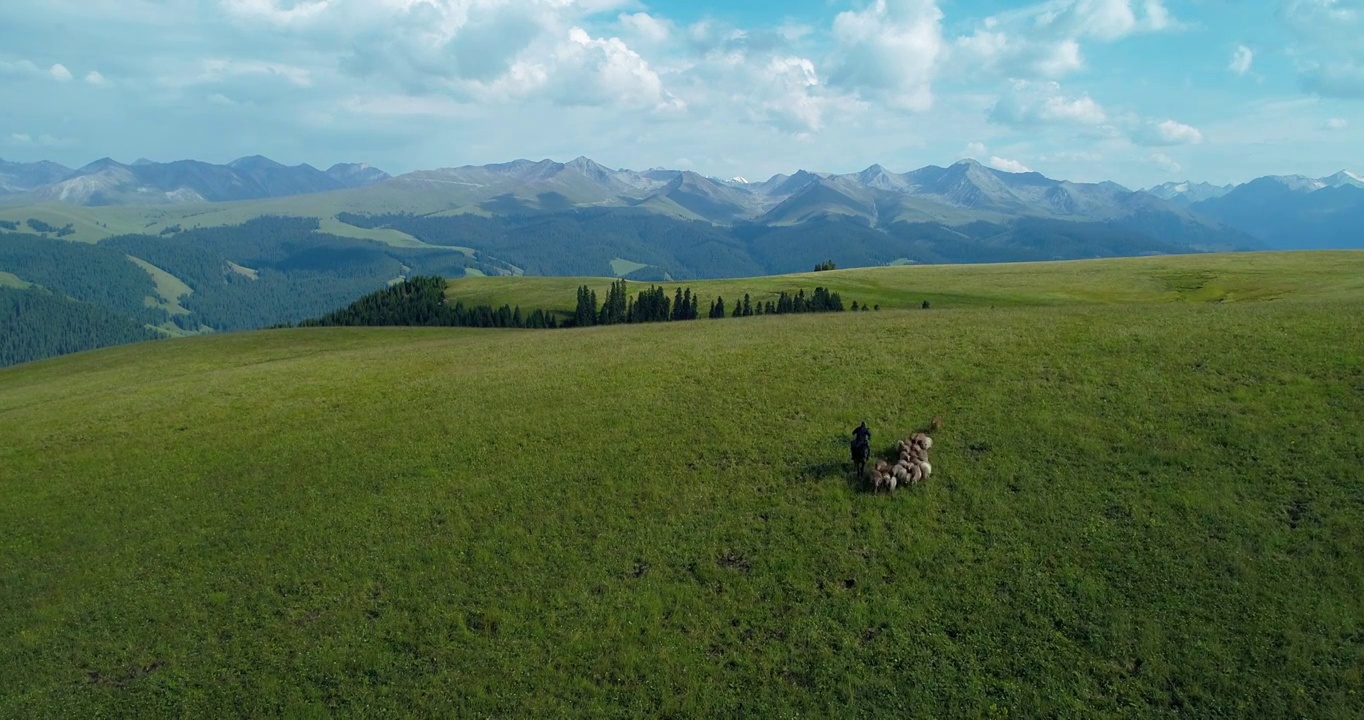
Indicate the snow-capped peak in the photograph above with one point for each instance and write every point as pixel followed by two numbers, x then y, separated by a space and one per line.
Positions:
pixel 741 180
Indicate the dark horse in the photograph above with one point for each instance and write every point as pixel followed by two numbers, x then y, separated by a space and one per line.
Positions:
pixel 861 450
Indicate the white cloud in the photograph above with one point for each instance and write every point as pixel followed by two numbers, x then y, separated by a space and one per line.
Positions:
pixel 42 141
pixel 286 13
pixel 1340 80
pixel 1007 165
pixel 1241 60
pixel 1335 124
pixel 791 104
pixel 219 69
pixel 29 69
pixel 974 150
pixel 889 51
pixel 1166 163
pixel 1167 132
pixel 647 27
pixel 1328 50
pixel 999 53
pixel 1158 17
pixel 95 78
pixel 583 70
pixel 1029 103
pixel 1043 40
pixel 1099 19
pixel 20 68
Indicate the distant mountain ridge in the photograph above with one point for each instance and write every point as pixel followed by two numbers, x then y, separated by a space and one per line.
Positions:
pixel 144 182
pixel 1199 216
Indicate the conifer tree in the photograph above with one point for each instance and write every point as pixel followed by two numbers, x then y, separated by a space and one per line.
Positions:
pixel 748 306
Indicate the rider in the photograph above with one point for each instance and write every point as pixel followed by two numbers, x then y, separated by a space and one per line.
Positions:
pixel 861 435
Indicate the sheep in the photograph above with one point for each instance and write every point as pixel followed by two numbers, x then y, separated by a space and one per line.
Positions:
pixel 910 465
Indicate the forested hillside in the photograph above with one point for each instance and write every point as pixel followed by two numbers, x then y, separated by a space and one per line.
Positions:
pixel 35 323
pixel 265 272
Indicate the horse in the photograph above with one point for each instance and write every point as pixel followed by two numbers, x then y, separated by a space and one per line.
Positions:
pixel 861 450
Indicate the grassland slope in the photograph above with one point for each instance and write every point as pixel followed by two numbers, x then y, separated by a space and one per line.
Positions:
pixel 1137 510
pixel 1187 278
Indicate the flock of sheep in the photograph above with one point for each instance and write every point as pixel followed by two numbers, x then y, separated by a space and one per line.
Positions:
pixel 911 468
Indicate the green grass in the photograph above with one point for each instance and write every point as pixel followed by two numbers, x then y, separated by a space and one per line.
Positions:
pixel 243 271
pixel 92 224
pixel 1195 278
pixel 1139 508
pixel 169 289
pixel 11 280
pixel 622 267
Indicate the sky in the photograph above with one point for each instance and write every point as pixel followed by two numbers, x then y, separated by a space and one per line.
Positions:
pixel 1135 91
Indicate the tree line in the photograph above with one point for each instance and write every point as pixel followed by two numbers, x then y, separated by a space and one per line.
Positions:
pixel 648 306
pixel 420 301
pixel 653 305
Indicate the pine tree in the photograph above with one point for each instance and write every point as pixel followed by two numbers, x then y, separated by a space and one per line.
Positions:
pixel 719 309
pixel 586 313
pixel 748 307
pixel 738 309
pixel 678 308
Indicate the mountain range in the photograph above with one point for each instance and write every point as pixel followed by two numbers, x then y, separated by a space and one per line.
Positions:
pixel 108 182
pixel 1289 212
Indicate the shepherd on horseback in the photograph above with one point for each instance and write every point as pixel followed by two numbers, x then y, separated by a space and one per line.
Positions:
pixel 861 447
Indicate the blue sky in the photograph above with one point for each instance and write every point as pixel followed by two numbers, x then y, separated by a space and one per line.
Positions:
pixel 1137 91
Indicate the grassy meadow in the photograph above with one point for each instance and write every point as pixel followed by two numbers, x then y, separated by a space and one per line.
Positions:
pixel 92 224
pixel 1146 502
pixel 1188 278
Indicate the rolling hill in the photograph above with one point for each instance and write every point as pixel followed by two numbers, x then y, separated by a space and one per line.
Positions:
pixel 1145 503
